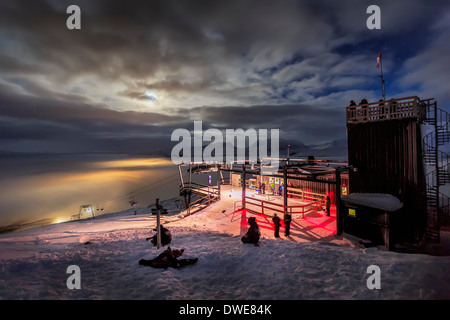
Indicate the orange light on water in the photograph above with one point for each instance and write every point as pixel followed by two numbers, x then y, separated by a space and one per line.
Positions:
pixel 134 163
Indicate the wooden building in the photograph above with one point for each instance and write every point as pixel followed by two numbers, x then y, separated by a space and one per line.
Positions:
pixel 385 146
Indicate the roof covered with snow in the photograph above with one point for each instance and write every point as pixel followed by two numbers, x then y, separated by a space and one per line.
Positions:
pixel 380 201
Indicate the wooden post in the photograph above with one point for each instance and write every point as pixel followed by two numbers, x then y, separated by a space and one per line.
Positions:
pixel 190 178
pixel 181 175
pixel 339 220
pixel 288 154
pixel 219 174
pixel 285 195
pixel 158 225
pixel 243 185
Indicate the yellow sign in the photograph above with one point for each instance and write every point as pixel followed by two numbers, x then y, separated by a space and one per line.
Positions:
pixel 344 190
pixel 352 212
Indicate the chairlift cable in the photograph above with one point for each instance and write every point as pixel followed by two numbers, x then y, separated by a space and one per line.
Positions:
pixel 140 189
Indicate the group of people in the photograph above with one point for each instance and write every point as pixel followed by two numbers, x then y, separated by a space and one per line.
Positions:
pixel 168 258
pixel 382 111
pixel 253 234
pixel 277 224
pixel 262 188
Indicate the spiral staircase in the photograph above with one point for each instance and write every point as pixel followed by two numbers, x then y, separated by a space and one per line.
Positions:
pixel 437 165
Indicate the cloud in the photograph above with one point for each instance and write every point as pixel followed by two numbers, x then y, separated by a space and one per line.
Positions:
pixel 138 69
pixel 429 70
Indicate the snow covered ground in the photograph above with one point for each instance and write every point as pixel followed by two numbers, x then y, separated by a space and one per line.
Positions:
pixel 33 263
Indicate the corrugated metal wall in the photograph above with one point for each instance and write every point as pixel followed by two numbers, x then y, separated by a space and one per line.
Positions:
pixel 388 156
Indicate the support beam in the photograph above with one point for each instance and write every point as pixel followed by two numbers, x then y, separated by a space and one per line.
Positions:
pixel 339 218
pixel 285 194
pixel 243 185
pixel 190 180
pixel 181 176
pixel 219 177
pixel 158 225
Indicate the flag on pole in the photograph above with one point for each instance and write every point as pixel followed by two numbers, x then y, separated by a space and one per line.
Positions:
pixel 378 60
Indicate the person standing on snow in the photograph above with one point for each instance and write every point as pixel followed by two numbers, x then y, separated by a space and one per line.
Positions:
pixel 287 224
pixel 276 222
pixel 328 202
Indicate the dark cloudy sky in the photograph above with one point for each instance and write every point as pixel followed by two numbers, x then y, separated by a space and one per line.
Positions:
pixel 140 69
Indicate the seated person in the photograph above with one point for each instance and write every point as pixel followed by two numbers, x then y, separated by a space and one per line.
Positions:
pixel 253 234
pixel 166 236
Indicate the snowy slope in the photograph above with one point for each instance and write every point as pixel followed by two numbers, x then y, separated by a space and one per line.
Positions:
pixel 107 249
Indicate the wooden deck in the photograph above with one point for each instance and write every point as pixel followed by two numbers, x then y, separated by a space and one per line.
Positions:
pixel 224 216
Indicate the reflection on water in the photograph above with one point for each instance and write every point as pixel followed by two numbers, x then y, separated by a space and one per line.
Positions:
pixel 51 188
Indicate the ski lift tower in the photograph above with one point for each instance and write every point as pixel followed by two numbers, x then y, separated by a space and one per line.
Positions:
pixel 86 209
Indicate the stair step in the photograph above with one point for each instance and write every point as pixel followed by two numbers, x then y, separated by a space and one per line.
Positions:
pixel 432 238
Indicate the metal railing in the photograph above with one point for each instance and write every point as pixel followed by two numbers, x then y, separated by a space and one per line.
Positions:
pixel 75 217
pixel 235 205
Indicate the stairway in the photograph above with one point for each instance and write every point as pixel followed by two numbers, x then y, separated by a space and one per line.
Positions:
pixel 438 204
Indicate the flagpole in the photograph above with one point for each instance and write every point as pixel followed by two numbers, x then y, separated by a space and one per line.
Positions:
pixel 381 76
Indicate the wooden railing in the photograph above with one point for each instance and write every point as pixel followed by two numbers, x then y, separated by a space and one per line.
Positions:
pixel 300 209
pixel 207 195
pixel 198 188
pixel 305 195
pixel 410 107
pixel 304 209
pixel 225 181
pixel 264 205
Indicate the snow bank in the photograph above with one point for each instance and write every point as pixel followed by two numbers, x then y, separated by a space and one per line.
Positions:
pixel 33 265
pixel 380 201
